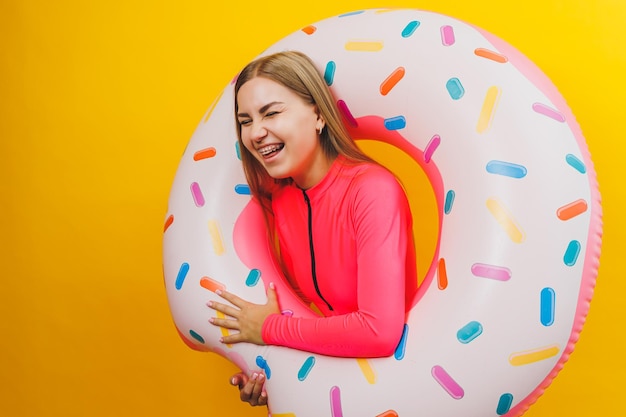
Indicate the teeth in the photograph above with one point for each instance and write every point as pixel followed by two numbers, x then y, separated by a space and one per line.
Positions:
pixel 269 149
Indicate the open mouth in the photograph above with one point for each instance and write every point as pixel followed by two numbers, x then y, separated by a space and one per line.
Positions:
pixel 271 150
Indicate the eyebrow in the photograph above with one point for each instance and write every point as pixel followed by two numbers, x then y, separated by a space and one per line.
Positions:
pixel 263 109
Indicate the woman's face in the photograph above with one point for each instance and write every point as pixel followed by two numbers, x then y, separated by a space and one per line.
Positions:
pixel 280 130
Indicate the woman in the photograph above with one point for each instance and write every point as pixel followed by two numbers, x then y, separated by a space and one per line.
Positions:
pixel 342 222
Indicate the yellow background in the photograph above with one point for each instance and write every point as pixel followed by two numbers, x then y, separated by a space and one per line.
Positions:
pixel 97 102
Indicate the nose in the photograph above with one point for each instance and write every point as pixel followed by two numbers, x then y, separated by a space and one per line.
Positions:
pixel 259 131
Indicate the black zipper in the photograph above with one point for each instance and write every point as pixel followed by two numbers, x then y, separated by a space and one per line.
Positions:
pixel 312 250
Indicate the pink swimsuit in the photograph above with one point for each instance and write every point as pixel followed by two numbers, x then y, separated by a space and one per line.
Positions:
pixel 347 245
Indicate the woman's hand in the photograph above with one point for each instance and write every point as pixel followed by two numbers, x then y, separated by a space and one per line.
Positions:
pixel 250 389
pixel 244 316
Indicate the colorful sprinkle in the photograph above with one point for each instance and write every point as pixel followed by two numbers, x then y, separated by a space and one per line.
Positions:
pixel 182 274
pixel 549 112
pixel 335 402
pixel 211 284
pixel 242 189
pixel 391 81
pixel 506 220
pixel 442 275
pixel 395 123
pixel 329 72
pixel 494 56
pixel 168 222
pixel 306 368
pixel 498 273
pixel 455 88
pixel 547 306
pixel 309 30
pixel 571 210
pixel 534 355
pixel 432 146
pixel 410 28
pixel 253 277
pixel 571 253
pixel 367 370
pixel 196 336
pixel 507 169
pixel 388 413
pixel 238 150
pixel 351 13
pixel 401 348
pixel 447 382
pixel 223 330
pixel 469 332
pixel 447 35
pixel 204 154
pixel 262 363
pixel 487 112
pixel 364 46
pixel 212 107
pixel 447 206
pixel 216 237
pixel 347 114
pixel 196 193
pixel 575 163
pixel 504 404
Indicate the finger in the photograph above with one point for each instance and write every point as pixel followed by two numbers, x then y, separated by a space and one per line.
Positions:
pixel 223 308
pixel 225 323
pixel 239 379
pixel 232 298
pixel 245 393
pixel 272 296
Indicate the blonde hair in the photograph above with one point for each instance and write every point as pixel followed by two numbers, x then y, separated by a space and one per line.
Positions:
pixel 297 72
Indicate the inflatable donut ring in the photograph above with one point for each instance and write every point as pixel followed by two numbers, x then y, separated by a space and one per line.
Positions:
pixel 517 253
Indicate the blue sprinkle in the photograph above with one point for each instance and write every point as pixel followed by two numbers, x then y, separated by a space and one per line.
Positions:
pixel 243 189
pixel 238 150
pixel 329 73
pixel 507 169
pixel 469 332
pixel 504 404
pixel 410 28
pixel 351 13
pixel 196 336
pixel 306 368
pixel 576 163
pixel 401 348
pixel 571 253
pixel 395 123
pixel 262 363
pixel 447 207
pixel 253 278
pixel 455 88
pixel 182 274
pixel 547 306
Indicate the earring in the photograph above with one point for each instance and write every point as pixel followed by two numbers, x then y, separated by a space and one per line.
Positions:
pixel 319 131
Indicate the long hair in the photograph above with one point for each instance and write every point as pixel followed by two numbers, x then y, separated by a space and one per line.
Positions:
pixel 297 72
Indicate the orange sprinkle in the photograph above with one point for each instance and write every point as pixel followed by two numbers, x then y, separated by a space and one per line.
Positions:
pixel 388 413
pixel 572 209
pixel 168 222
pixel 211 284
pixel 309 30
pixel 442 275
pixel 494 56
pixel 391 81
pixel 204 154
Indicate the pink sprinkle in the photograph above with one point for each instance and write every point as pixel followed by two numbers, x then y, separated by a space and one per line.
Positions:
pixel 499 273
pixel 198 198
pixel 447 35
pixel 343 107
pixel 446 381
pixel 431 147
pixel 335 402
pixel 548 111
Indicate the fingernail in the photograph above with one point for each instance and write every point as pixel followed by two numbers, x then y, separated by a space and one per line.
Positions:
pixel 211 320
pixel 209 304
pixel 233 381
pixel 272 285
pixel 255 375
pixel 261 376
pixel 218 292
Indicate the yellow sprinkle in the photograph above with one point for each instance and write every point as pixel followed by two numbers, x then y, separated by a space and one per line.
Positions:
pixel 489 108
pixel 367 370
pixel 224 330
pixel 283 415
pixel 364 46
pixel 212 107
pixel 216 237
pixel 535 355
pixel 506 221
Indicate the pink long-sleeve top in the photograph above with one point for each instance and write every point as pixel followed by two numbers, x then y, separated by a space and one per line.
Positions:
pixel 347 246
